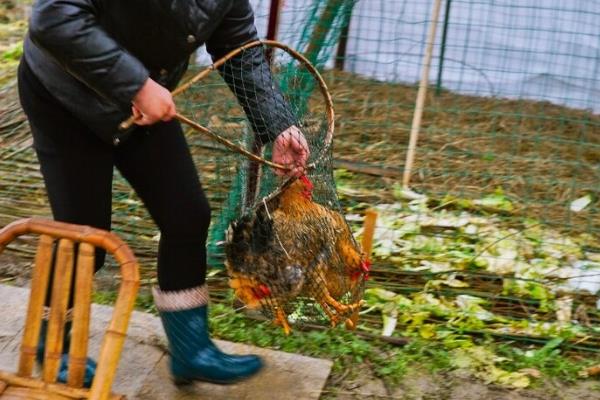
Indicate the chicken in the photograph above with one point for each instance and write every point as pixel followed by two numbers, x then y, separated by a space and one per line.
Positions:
pixel 290 246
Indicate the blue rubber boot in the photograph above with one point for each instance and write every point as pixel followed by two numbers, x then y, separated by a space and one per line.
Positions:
pixel 194 356
pixel 63 371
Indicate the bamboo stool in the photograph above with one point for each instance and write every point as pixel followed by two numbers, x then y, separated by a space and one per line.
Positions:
pixel 23 385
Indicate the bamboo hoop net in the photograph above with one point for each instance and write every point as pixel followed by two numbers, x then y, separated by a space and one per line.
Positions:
pixel 127 124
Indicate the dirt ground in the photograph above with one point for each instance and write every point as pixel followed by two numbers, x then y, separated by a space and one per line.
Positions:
pixel 455 385
pixel 416 385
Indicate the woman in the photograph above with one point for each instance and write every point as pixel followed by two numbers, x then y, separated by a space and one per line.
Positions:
pixel 89 64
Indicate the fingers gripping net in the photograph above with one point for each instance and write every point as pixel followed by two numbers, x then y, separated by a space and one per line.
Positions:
pixel 288 250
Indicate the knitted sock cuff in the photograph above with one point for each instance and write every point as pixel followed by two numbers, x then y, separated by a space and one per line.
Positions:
pixel 178 300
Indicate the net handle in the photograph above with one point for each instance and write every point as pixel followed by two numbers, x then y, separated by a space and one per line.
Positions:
pixel 202 74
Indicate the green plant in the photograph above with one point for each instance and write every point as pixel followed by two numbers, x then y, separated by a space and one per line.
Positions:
pixel 549 360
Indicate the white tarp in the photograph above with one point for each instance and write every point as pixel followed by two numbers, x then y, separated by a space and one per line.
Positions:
pixel 537 49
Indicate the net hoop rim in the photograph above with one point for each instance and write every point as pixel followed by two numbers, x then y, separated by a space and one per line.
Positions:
pixel 296 55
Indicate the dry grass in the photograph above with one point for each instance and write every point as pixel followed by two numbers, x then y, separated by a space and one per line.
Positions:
pixel 542 155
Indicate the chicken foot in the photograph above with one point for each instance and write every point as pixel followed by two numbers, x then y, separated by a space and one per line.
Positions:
pixel 327 301
pixel 281 319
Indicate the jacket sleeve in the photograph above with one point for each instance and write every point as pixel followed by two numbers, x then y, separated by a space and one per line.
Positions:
pixel 70 32
pixel 248 75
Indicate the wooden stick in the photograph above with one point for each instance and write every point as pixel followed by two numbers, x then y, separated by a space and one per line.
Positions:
pixel 113 341
pixel 72 393
pixel 340 57
pixel 367 246
pixel 351 166
pixel 273 26
pixel 24 393
pixel 366 169
pixel 228 143
pixel 368 231
pixel 61 287
pixel 39 288
pixel 114 338
pixel 419 105
pixel 81 315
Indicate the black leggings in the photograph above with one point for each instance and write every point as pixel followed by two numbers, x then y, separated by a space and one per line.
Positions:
pixel 77 167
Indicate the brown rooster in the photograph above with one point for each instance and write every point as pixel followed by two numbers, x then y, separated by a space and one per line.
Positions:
pixel 291 246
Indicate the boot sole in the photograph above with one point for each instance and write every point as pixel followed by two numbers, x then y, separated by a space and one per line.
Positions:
pixel 181 381
pixel 190 381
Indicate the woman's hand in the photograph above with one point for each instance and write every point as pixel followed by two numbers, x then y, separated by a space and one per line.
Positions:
pixel 153 103
pixel 291 150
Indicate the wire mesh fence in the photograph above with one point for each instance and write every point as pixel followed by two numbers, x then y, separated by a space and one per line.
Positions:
pixel 508 157
pixel 498 118
pixel 507 165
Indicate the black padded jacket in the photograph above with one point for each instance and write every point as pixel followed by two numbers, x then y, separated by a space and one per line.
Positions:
pixel 95 55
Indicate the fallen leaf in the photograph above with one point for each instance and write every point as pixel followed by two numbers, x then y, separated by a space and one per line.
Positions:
pixel 534 373
pixel 427 331
pixel 593 371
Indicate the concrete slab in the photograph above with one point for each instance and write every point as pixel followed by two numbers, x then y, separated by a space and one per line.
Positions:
pixel 12 317
pixel 143 370
pixel 285 377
